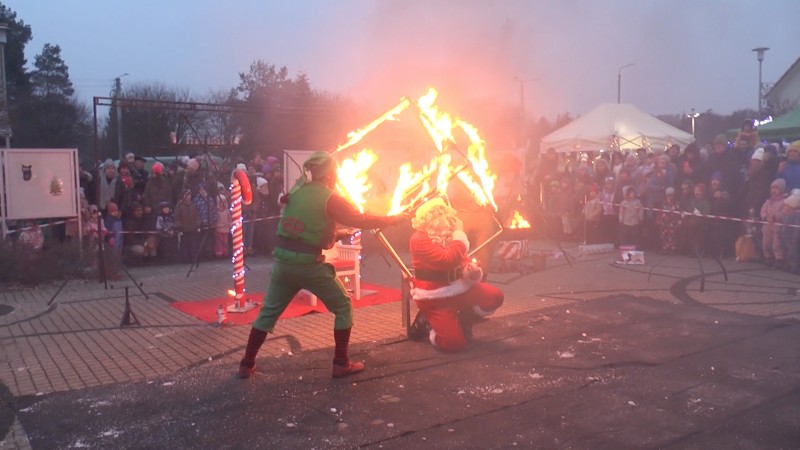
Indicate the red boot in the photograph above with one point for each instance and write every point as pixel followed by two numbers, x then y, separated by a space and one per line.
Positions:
pixel 351 368
pixel 254 342
pixel 342 366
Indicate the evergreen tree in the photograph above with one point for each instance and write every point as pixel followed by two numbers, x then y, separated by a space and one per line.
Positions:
pixel 51 78
pixel 52 116
pixel 18 36
pixel 286 111
pixel 17 88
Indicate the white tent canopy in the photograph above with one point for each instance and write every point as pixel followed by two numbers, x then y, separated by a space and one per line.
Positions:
pixel 631 127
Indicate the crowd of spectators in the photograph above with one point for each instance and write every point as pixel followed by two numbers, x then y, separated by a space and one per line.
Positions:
pixel 701 200
pixel 711 200
pixel 174 212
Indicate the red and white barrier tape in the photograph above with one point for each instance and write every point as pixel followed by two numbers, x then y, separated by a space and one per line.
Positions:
pixel 707 216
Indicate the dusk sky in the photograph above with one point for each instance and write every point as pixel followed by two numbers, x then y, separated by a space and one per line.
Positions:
pixel 686 53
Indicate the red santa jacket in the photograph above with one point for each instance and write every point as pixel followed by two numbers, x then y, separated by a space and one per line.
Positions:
pixel 428 256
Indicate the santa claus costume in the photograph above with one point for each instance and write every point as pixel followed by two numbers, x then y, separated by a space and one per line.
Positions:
pixel 447 287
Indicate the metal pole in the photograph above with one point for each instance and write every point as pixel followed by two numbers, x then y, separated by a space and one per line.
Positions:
pixel 97 174
pixel 760 88
pixel 5 94
pixel 760 55
pixel 117 91
pixel 619 81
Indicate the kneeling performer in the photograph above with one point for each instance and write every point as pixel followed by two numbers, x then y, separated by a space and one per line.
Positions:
pixel 447 288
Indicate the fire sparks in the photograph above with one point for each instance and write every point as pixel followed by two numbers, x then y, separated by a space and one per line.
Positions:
pixel 517 221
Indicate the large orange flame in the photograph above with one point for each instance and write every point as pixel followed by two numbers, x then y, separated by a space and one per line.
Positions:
pixel 414 186
pixel 353 182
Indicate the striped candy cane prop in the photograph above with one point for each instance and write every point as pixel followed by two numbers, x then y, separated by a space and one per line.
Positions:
pixel 240 193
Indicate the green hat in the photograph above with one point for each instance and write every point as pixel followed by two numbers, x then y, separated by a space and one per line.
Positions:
pixel 320 164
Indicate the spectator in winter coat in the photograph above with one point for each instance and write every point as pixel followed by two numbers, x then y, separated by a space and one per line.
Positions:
pixel 728 165
pixel 691 167
pixel 669 220
pixel 593 213
pixel 113 222
pixel 139 174
pixel 722 233
pixel 693 224
pixel 789 170
pixel 631 216
pixel 158 189
pixel 760 175
pixel 790 232
pixel 222 228
pixel 111 188
pixel 772 212
pixel 187 223
pixel 206 212
pixel 135 230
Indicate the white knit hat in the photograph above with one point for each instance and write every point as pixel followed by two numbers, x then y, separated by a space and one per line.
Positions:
pixel 793 201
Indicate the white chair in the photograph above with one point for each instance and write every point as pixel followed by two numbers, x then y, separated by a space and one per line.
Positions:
pixel 346 259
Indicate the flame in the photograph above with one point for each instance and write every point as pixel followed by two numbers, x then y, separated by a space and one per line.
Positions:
pixel 355 136
pixel 440 128
pixel 410 183
pixel 477 157
pixel 415 186
pixel 518 221
pixel 439 125
pixel 352 181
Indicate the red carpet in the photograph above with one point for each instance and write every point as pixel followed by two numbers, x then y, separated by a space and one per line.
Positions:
pixel 206 310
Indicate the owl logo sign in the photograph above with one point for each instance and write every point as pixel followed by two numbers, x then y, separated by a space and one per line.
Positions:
pixel 27 173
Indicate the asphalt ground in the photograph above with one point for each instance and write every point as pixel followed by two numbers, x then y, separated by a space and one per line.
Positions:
pixel 584 354
pixel 624 372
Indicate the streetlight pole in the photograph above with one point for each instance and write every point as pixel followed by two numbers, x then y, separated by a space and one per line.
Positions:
pixel 760 55
pixel 7 125
pixel 117 93
pixel 619 81
pixel 693 116
pixel 522 94
pixel 522 107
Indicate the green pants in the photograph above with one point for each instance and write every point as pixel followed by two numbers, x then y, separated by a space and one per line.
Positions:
pixel 288 279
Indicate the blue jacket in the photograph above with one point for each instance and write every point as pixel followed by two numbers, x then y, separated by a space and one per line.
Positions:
pixel 791 173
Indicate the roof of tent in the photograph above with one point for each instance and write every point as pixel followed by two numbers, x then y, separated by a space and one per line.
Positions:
pixel 786 126
pixel 632 128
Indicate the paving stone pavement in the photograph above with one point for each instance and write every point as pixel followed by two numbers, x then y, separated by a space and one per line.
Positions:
pixel 74 340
